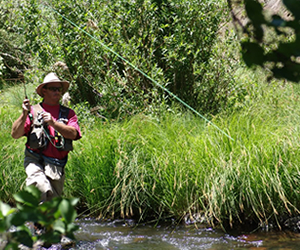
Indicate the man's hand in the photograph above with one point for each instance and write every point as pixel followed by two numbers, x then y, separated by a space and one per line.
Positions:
pixel 26 106
pixel 68 132
pixel 17 130
pixel 48 118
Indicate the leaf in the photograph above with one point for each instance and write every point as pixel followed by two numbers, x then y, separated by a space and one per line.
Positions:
pixel 253 54
pixel 12 246
pixel 289 72
pixel 74 201
pixel 5 209
pixel 289 49
pixel 18 219
pixel 50 237
pixel 59 226
pixel 34 191
pixel 67 211
pixel 26 198
pixel 71 235
pixel 72 227
pixel 50 205
pixel 3 225
pixel 277 21
pixel 31 214
pixel 23 237
pixel 293 6
pixel 254 11
pixel 259 33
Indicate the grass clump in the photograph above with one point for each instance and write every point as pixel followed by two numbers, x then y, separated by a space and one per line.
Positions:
pixel 175 164
pixel 12 176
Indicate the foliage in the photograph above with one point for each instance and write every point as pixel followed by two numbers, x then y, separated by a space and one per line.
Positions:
pixel 120 55
pixel 13 58
pixel 172 165
pixel 161 161
pixel 175 165
pixel 11 153
pixel 272 41
pixel 56 217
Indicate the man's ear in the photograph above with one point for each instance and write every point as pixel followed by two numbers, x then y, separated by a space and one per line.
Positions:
pixel 43 92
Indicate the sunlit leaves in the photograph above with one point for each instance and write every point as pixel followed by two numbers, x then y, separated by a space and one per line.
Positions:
pixel 170 41
pixel 23 237
pixel 5 210
pixel 27 198
pixel 254 12
pixel 293 6
pixel 251 58
pixel 56 216
pixel 59 226
pixel 278 51
pixel 67 211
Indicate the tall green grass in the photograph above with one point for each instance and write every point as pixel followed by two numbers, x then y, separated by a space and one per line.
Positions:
pixel 175 164
pixel 11 161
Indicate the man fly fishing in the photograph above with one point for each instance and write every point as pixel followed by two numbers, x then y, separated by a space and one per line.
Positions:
pixel 50 129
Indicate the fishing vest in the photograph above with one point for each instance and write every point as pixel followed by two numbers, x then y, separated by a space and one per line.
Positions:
pixel 39 135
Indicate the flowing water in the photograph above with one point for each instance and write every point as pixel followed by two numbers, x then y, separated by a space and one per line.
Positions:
pixel 122 235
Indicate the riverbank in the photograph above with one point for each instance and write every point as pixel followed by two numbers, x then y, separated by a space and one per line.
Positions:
pixel 174 164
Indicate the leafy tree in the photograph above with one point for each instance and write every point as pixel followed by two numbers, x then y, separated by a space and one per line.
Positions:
pixel 13 59
pixel 109 49
pixel 171 41
pixel 270 41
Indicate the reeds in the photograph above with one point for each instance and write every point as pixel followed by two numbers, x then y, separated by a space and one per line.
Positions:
pixel 175 165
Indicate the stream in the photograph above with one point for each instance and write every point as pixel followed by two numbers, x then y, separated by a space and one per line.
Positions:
pixel 122 235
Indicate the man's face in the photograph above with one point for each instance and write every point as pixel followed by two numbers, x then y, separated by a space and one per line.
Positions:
pixel 52 92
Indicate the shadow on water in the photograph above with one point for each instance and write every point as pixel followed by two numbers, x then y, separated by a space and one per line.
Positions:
pixel 122 236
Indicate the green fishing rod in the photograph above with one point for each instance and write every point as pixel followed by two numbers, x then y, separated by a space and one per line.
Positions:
pixel 28 105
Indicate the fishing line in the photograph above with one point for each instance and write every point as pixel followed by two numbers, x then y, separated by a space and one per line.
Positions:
pixel 137 69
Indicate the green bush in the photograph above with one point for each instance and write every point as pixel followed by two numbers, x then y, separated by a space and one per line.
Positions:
pixel 14 60
pixel 56 218
pixel 105 49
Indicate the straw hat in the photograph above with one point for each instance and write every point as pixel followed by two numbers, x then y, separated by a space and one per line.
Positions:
pixel 52 77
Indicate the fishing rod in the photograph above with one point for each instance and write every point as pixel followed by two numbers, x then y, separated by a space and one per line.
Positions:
pixel 25 93
pixel 28 105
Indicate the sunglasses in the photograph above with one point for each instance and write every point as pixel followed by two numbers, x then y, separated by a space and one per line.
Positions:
pixel 54 88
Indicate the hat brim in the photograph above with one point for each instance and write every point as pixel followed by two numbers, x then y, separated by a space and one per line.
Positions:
pixel 65 86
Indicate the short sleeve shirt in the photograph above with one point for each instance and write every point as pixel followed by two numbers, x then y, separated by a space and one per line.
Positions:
pixel 51 150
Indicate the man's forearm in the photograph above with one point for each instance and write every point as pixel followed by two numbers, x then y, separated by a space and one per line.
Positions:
pixel 18 126
pixel 66 131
